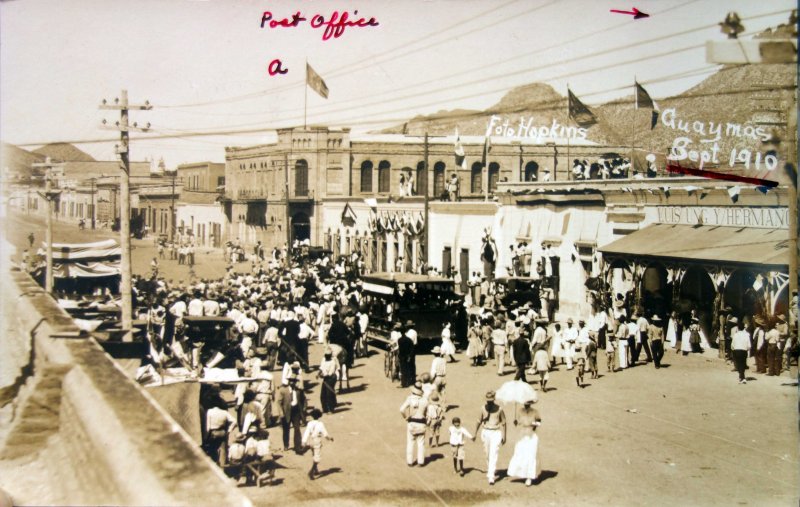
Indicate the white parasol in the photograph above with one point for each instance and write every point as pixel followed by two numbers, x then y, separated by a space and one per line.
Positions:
pixel 516 391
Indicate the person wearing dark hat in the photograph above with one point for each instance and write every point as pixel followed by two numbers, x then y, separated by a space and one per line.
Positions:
pixel 414 410
pixel 406 359
pixel 760 344
pixel 493 435
pixel 655 332
pixel 740 346
pixel 521 352
pixel 291 401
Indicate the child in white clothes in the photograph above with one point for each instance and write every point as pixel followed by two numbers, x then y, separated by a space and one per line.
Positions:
pixel 457 434
pixel 315 432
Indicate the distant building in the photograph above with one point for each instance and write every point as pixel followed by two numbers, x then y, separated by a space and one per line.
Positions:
pixel 201 218
pixel 339 189
pixel 202 176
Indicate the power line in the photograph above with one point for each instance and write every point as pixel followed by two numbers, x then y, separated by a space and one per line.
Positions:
pixel 396 97
pixel 263 130
pixel 355 62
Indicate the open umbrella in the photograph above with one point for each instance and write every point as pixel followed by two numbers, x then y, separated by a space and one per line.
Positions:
pixel 516 391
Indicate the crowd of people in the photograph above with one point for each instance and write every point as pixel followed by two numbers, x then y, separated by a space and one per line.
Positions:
pixel 278 307
pixel 612 168
pixel 261 325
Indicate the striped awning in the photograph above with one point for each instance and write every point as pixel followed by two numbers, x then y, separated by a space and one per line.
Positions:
pixel 738 245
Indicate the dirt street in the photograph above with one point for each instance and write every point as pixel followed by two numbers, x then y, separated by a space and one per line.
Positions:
pixel 688 434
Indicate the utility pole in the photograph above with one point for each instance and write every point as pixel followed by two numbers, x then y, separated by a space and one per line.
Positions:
pixel 50 195
pixel 93 212
pixel 427 206
pixel 121 104
pixel 286 190
pixel 172 208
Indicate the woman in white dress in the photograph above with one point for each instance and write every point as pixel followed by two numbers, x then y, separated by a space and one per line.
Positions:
pixel 524 463
pixel 557 345
pixel 672 330
pixel 448 348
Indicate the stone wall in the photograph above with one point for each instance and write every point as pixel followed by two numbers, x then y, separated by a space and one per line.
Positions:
pixel 86 433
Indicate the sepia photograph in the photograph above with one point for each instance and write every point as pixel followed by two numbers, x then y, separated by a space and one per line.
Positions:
pixel 409 252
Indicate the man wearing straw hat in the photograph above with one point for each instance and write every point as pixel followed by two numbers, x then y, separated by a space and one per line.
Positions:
pixel 414 411
pixel 656 334
pixel 493 420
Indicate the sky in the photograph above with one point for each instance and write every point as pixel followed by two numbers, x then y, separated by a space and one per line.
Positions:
pixel 203 64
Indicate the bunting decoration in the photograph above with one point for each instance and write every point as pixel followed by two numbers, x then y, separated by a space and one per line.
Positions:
pixel 733 192
pixel 579 113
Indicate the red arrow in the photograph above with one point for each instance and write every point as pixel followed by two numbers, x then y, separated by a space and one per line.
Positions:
pixel 637 14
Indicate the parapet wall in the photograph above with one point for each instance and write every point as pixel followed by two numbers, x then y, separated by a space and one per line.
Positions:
pixel 119 447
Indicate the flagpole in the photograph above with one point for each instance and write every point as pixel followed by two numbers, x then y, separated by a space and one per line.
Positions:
pixel 633 123
pixel 305 102
pixel 569 167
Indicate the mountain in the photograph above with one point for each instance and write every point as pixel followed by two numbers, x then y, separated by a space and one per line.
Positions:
pixel 63 152
pixel 538 103
pixel 17 161
pixel 755 99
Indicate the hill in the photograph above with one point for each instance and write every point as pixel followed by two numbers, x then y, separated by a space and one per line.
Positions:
pixel 63 152
pixel 751 98
pixel 17 161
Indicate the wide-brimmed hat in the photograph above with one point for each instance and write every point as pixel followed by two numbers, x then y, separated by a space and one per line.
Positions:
pixel 490 395
pixel 732 320
pixel 409 323
pixel 416 389
pixel 655 318
pixel 296 365
pixel 436 350
pixel 434 397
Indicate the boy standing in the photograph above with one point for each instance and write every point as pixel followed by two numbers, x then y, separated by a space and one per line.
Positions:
pixel 457 434
pixel 315 432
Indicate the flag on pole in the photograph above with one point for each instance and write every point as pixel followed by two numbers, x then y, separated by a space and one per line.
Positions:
pixel 487 147
pixel 643 99
pixel 315 82
pixel 578 111
pixel 461 159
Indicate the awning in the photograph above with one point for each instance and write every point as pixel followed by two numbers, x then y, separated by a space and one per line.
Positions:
pixel 748 245
pixel 86 270
pixel 75 251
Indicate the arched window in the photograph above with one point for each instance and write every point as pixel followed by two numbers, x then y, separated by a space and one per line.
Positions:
pixel 301 178
pixel 438 179
pixel 366 176
pixel 421 181
pixel 476 180
pixel 494 176
pixel 531 172
pixel 384 176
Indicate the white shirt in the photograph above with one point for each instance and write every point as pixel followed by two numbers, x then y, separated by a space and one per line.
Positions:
pixel 178 309
pixel 195 308
pixel 457 435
